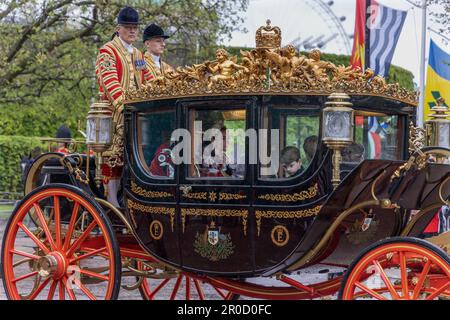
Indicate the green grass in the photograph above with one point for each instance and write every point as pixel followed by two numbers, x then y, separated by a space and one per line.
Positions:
pixel 5 211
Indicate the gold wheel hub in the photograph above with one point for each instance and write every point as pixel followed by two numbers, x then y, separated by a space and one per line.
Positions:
pixel 52 265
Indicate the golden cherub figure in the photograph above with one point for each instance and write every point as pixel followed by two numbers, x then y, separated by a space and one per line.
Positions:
pixel 224 69
pixel 287 61
pixel 320 68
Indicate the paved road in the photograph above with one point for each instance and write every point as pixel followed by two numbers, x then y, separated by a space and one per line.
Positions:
pixel 310 275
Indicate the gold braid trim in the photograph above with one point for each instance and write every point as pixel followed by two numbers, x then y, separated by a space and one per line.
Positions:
pixel 284 215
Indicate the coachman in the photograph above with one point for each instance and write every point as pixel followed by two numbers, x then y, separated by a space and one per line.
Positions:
pixel 120 67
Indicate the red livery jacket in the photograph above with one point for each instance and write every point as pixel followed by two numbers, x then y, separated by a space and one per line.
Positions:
pixel 118 71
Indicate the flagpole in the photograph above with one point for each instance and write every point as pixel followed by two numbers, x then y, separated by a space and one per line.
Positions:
pixel 367 36
pixel 420 111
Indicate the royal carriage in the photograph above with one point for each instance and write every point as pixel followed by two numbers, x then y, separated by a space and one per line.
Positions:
pixel 365 190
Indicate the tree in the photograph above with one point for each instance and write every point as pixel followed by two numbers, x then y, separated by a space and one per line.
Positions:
pixel 49 46
pixel 440 13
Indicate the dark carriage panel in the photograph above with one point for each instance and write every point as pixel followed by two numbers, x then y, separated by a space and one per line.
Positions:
pixel 216 240
pixel 156 225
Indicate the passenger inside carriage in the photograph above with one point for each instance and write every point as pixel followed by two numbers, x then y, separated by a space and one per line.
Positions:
pixel 162 162
pixel 291 162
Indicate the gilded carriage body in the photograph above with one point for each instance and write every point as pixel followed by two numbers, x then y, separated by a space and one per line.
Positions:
pixel 365 188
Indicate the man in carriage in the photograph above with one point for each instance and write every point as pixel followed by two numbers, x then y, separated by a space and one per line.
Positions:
pixel 120 67
pixel 154 41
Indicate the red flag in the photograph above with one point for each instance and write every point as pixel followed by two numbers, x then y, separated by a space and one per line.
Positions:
pixel 359 47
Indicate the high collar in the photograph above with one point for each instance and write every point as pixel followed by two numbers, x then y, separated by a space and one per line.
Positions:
pixel 128 47
pixel 156 59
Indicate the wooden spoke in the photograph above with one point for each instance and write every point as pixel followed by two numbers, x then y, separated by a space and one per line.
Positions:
pixel 51 292
pixel 404 275
pixel 94 275
pixel 25 276
pixel 439 291
pixel 18 263
pixel 421 280
pixel 24 254
pixel 69 289
pixel 39 289
pixel 159 287
pixel 44 226
pixel 386 280
pixel 200 292
pixel 177 286
pixel 73 219
pixel 57 206
pixel 188 288
pixel 80 240
pixel 34 238
pixel 223 295
pixel 85 290
pixel 87 255
pixel 62 291
pixel 369 291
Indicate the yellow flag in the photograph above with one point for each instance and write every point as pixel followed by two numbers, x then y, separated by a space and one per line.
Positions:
pixel 438 78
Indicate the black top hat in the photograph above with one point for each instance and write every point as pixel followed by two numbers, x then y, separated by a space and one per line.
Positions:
pixel 128 15
pixel 63 132
pixel 153 31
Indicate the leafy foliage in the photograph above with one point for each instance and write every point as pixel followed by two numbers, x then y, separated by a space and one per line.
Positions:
pixel 50 46
pixel 440 15
pixel 12 149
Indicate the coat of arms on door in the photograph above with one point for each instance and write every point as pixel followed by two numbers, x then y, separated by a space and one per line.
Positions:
pixel 213 245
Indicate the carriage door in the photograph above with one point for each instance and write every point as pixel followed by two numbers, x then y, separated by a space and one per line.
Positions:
pixel 214 189
pixel 151 187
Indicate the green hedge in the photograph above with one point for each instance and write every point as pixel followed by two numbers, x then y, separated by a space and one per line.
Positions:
pixel 12 149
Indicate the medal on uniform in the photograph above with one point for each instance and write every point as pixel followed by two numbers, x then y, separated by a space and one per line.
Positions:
pixel 140 65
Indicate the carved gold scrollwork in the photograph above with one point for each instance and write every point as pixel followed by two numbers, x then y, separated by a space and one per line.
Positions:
pixel 215 213
pixel 268 69
pixel 231 196
pixel 416 138
pixel 196 195
pixel 299 196
pixel 152 210
pixel 149 194
pixel 271 214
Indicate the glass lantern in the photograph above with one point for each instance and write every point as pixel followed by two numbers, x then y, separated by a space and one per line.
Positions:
pixel 99 131
pixel 337 129
pixel 438 127
pixel 99 127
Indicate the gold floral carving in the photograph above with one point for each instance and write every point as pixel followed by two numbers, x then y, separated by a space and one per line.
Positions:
pixel 152 210
pixel 416 138
pixel 271 214
pixel 149 194
pixel 215 213
pixel 268 69
pixel 196 195
pixel 213 196
pixel 299 196
pixel 231 196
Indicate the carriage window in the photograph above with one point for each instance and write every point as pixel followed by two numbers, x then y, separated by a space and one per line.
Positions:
pixel 376 137
pixel 297 142
pixel 218 143
pixel 154 132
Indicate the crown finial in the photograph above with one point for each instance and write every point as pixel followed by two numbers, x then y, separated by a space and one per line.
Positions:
pixel 268 36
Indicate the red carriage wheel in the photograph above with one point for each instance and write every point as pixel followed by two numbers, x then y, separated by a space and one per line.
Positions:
pixel 398 269
pixel 69 252
pixel 162 283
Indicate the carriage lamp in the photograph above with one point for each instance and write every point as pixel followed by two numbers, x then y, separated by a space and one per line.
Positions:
pixel 337 129
pixel 438 127
pixel 99 133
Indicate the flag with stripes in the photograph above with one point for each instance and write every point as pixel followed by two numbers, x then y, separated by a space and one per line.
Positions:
pixel 385 25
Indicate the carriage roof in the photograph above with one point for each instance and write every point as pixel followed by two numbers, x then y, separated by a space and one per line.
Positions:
pixel 270 69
